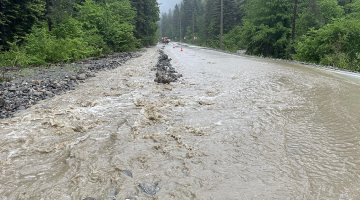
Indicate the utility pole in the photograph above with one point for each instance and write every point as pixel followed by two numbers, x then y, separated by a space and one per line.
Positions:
pixel 172 30
pixel 180 29
pixel 180 25
pixel 221 25
pixel 193 25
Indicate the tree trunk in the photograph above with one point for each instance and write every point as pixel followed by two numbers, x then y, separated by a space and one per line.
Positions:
pixel 193 26
pixel 48 12
pixel 3 39
pixel 221 24
pixel 293 29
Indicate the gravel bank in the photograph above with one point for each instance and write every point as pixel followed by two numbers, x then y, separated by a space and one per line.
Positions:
pixel 31 85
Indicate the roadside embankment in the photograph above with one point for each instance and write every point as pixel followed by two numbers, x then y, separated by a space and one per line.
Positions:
pixel 28 86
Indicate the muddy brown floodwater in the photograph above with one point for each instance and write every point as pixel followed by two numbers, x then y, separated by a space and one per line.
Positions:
pixel 233 128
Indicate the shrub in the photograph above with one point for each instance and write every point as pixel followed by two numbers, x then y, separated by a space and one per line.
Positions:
pixel 232 40
pixel 16 56
pixel 335 44
pixel 43 48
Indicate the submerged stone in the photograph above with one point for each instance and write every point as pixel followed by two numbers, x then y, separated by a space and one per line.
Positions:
pixel 127 173
pixel 149 189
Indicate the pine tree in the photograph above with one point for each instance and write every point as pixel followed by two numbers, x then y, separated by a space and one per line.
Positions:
pixel 176 22
pixel 267 27
pixel 18 17
pixel 164 24
pixel 212 19
pixel 186 16
pixel 169 29
pixel 146 21
pixel 2 24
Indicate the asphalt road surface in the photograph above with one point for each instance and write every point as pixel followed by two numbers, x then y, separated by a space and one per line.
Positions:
pixel 233 127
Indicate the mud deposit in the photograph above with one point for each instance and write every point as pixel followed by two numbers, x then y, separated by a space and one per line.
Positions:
pixel 231 128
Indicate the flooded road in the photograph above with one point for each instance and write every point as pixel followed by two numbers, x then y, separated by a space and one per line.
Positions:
pixel 233 128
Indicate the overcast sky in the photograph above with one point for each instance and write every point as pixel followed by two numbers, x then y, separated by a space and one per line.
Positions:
pixel 165 5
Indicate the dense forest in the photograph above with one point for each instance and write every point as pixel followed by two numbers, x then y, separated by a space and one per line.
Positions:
pixel 38 32
pixel 325 32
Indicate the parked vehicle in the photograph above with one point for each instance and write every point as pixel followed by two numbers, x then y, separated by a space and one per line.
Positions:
pixel 165 40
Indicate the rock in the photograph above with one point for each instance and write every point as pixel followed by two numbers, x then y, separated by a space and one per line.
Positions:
pixel 24 82
pixel 36 82
pixel 38 94
pixel 81 76
pixel 127 173
pixel 112 193
pixel 102 64
pixel 2 102
pixel 50 94
pixel 163 77
pixel 91 74
pixel 26 90
pixel 149 189
pixel 18 102
pixel 90 198
pixel 12 89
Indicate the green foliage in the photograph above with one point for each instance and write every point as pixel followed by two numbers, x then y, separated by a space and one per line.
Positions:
pixel 175 22
pixel 212 20
pixel 43 48
pixel 92 18
pixel 17 18
pixel 335 44
pixel 62 10
pixel 72 28
pixel 189 35
pixel 201 34
pixel 15 56
pixel 80 28
pixel 232 40
pixel 166 25
pixel 118 29
pixel 353 10
pixel 146 21
pixel 308 16
pixel 266 29
pixel 330 10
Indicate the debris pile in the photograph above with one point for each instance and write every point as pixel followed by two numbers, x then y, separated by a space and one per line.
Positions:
pixel 165 73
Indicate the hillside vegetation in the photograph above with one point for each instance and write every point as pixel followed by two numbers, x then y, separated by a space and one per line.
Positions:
pixel 39 32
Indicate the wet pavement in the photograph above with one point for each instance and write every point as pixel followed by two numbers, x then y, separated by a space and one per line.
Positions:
pixel 233 127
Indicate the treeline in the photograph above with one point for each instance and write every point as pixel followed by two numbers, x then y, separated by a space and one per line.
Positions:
pixel 325 32
pixel 38 32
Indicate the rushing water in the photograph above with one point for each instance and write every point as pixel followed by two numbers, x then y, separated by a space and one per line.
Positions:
pixel 234 128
